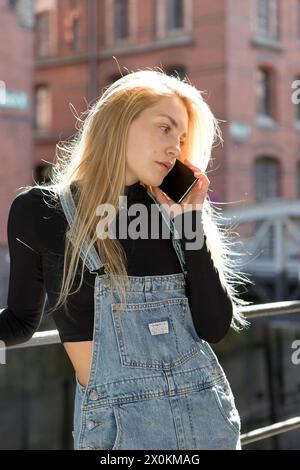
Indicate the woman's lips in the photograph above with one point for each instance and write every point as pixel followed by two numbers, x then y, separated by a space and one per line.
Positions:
pixel 163 166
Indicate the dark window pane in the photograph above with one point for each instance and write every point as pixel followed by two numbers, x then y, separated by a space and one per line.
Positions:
pixel 266 185
pixel 263 15
pixel 174 14
pixel 121 19
pixel 42 104
pixel 42 34
pixel 75 43
pixel 263 92
pixel 266 179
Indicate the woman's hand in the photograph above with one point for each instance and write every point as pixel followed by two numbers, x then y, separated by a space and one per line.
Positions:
pixel 194 199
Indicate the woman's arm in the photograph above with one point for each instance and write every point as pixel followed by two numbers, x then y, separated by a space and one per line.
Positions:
pixel 210 305
pixel 26 292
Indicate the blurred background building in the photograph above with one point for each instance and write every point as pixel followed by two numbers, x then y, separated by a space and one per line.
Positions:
pixel 57 56
pixel 16 113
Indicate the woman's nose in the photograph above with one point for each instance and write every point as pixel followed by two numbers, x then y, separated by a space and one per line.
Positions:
pixel 175 150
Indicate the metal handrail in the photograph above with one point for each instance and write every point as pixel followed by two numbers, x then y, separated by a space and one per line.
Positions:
pixel 270 309
pixel 271 430
pixel 43 338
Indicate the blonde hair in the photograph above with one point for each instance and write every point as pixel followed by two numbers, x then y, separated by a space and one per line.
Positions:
pixel 94 158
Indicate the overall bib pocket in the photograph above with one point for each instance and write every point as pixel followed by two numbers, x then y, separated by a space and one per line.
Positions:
pixel 152 335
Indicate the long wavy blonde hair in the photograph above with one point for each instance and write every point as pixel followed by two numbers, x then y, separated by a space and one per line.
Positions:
pixel 95 159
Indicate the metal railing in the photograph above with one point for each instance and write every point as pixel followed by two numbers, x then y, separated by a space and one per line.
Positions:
pixel 269 431
pixel 254 311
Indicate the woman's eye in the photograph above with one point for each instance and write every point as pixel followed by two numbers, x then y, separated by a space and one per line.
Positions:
pixel 166 127
pixel 169 128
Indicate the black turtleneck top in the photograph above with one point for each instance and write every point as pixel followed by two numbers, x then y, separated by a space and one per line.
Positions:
pixel 36 241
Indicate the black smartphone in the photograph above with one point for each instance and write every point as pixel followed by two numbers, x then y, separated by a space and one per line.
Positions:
pixel 178 182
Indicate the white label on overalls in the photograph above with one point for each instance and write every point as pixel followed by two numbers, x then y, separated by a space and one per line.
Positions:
pixel 159 328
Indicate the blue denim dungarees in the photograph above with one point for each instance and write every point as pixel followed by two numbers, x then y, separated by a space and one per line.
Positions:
pixel 153 383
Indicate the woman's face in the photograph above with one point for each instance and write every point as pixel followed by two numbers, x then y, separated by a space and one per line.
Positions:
pixel 153 138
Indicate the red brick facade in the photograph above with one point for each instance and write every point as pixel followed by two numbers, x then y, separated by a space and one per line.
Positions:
pixel 220 49
pixel 16 73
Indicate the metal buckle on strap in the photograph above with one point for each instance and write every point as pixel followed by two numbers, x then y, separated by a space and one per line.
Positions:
pixel 98 271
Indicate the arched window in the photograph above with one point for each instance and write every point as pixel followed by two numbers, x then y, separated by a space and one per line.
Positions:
pixel 266 178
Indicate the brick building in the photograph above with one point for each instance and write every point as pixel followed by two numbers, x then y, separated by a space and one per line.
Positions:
pixel 16 84
pixel 243 55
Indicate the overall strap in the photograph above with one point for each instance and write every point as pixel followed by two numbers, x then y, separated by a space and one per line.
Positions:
pixel 88 253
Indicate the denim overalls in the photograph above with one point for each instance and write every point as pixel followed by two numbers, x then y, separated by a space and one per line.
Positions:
pixel 153 383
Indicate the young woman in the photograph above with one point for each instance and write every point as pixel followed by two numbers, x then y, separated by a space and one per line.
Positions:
pixel 134 313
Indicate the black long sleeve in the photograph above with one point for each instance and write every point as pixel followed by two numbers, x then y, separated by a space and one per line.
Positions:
pixel 36 241
pixel 210 304
pixel 26 294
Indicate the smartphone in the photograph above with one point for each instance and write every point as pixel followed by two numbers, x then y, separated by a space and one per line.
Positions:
pixel 178 182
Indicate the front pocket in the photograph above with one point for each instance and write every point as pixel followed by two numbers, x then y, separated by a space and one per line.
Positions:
pixel 101 430
pixel 225 402
pixel 153 335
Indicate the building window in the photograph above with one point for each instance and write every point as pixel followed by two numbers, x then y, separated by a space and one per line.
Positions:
pixel 264 92
pixel 177 71
pixel 266 187
pixel 75 34
pixel 12 4
pixel 42 107
pixel 72 26
pixel 173 18
pixel 266 178
pixel 267 18
pixel 121 19
pixel 175 14
pixel 42 38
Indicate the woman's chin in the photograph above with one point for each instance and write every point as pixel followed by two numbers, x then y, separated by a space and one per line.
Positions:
pixel 154 181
